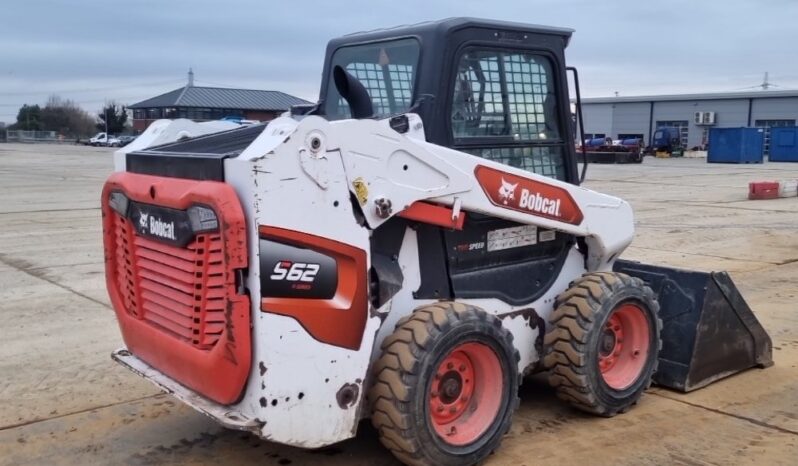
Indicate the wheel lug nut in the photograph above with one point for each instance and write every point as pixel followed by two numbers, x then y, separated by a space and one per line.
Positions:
pixel 452 410
pixel 450 366
pixel 434 394
pixel 462 367
pixel 440 409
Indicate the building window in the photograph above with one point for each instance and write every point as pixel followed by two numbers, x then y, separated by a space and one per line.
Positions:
pixel 153 113
pixel 767 124
pixel 683 125
pixel 139 114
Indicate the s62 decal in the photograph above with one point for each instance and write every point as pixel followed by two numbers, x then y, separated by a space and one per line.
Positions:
pixel 295 271
pixel 288 271
pixel 529 196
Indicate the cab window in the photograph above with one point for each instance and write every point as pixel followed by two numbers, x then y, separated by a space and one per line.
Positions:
pixel 504 108
pixel 387 71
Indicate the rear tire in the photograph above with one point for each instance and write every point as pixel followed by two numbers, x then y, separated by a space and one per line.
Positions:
pixel 603 345
pixel 446 386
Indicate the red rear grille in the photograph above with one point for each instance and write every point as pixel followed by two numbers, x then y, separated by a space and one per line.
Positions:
pixel 125 278
pixel 179 308
pixel 181 291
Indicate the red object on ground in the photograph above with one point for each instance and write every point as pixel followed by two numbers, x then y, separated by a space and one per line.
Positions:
pixel 763 190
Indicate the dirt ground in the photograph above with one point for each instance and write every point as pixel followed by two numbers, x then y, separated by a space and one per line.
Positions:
pixel 64 402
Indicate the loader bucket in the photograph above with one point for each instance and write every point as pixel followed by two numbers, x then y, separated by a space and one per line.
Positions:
pixel 708 330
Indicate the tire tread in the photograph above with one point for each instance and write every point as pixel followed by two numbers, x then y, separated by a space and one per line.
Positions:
pixel 575 313
pixel 397 372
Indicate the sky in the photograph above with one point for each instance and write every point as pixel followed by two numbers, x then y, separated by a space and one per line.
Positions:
pixel 95 51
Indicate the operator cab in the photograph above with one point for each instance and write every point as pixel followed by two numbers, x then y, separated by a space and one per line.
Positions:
pixel 493 89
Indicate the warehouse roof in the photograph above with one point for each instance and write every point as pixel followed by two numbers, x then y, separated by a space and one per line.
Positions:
pixel 219 97
pixel 686 97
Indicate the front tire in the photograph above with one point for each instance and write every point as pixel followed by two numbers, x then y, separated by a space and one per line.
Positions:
pixel 446 386
pixel 603 346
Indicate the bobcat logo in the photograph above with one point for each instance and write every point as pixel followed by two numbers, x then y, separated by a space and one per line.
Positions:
pixel 144 220
pixel 507 192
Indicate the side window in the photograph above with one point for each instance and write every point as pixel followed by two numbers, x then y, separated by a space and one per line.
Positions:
pixel 504 108
pixel 389 85
pixel 387 71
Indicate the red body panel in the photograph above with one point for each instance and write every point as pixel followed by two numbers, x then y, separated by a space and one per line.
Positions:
pixel 529 196
pixel 340 320
pixel 177 307
pixel 433 214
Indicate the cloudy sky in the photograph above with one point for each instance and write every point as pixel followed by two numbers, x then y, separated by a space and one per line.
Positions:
pixel 92 51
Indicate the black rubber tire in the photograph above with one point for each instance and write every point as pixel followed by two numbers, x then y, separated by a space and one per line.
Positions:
pixel 402 376
pixel 571 345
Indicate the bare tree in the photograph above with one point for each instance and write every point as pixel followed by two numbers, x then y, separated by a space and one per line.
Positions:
pixel 66 117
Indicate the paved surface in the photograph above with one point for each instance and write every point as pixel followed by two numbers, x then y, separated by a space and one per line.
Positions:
pixel 62 400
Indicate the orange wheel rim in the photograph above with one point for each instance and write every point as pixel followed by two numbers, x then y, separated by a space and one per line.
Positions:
pixel 624 346
pixel 466 393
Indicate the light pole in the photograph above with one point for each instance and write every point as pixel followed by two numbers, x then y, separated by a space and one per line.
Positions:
pixel 107 138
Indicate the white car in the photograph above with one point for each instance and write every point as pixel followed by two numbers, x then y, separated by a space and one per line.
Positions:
pixel 102 139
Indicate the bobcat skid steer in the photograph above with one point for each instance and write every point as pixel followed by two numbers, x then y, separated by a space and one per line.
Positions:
pixel 406 250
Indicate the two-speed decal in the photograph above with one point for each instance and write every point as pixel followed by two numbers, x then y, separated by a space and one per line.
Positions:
pixel 528 196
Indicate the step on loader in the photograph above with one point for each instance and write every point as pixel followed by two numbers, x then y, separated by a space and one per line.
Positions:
pixel 407 250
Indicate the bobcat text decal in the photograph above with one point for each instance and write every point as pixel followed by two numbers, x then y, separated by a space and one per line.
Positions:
pixel 529 196
pixel 157 227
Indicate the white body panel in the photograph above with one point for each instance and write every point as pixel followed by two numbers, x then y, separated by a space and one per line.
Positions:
pixel 293 392
pixel 165 131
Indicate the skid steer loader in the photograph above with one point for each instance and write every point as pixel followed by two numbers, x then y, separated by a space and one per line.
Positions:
pixel 405 250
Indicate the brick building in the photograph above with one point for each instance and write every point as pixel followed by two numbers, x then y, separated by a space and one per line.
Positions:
pixel 201 103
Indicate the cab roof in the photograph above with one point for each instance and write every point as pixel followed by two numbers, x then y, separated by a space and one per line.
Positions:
pixel 443 27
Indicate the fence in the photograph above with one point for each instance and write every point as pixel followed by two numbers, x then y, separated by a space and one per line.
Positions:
pixel 33 136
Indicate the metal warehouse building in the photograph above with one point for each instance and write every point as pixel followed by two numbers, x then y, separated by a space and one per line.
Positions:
pixel 693 114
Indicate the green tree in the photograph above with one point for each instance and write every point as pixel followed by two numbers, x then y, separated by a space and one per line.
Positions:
pixel 115 115
pixel 29 118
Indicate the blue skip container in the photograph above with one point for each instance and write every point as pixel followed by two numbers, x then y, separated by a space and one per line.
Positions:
pixel 735 145
pixel 784 144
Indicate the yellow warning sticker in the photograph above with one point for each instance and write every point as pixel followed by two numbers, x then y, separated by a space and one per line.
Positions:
pixel 361 190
